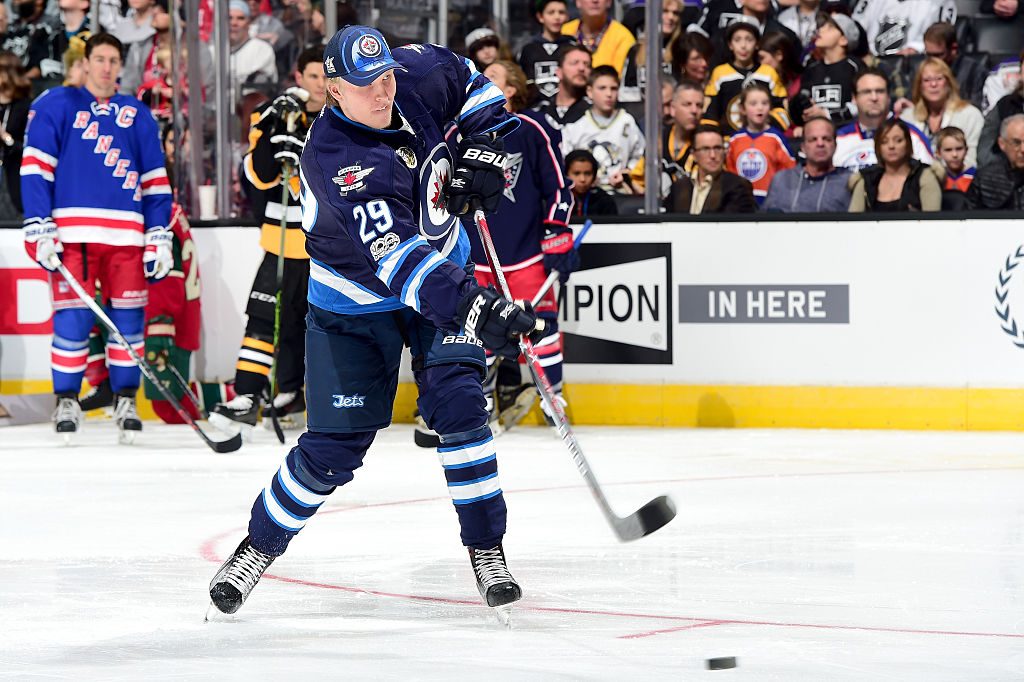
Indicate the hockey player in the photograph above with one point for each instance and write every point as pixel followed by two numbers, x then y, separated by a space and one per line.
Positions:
pixel 382 198
pixel 96 198
pixel 173 317
pixel 532 238
pixel 271 146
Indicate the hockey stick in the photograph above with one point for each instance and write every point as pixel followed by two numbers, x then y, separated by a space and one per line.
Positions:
pixel 643 521
pixel 554 275
pixel 229 445
pixel 183 384
pixel 286 179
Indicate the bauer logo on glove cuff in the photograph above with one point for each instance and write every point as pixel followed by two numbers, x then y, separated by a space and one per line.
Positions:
pixel 485 156
pixel 473 317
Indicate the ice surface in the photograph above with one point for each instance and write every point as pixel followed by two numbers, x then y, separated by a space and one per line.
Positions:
pixel 808 555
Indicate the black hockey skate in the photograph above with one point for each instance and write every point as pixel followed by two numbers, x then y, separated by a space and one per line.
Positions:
pixel 496 585
pixel 237 577
pixel 67 417
pixel 126 417
pixel 423 435
pixel 98 397
pixel 514 403
pixel 291 411
pixel 237 415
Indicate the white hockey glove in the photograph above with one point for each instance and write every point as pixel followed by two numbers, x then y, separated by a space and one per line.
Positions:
pixel 42 244
pixel 157 258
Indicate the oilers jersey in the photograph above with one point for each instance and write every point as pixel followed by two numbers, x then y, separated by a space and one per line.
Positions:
pixel 536 193
pixel 96 169
pixel 377 232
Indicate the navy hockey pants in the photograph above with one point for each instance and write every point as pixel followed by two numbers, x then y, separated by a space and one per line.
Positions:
pixel 351 382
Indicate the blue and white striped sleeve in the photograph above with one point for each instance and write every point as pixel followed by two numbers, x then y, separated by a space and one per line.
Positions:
pixel 423 280
pixel 483 109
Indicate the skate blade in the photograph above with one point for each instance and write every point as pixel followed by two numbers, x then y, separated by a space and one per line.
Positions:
pixel 66 438
pixel 126 437
pixel 215 615
pixel 504 615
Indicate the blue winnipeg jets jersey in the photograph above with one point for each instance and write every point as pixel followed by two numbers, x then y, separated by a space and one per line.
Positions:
pixel 378 235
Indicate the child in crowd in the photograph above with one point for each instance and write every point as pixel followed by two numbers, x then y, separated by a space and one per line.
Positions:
pixel 727 80
pixel 951 148
pixel 581 167
pixel 484 47
pixel 826 87
pixel 539 57
pixel 608 132
pixel 757 151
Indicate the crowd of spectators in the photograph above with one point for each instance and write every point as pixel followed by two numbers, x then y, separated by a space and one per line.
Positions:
pixel 768 105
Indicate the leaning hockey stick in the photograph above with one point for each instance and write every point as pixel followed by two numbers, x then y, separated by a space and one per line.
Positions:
pixel 286 180
pixel 643 521
pixel 229 445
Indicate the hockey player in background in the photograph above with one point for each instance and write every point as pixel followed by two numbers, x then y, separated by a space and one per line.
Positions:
pixel 532 238
pixel 96 198
pixel 271 146
pixel 381 201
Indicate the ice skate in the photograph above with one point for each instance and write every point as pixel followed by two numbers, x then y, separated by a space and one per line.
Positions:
pixel 67 417
pixel 237 415
pixel 496 585
pixel 291 411
pixel 550 418
pixel 126 418
pixel 236 578
pixel 514 403
pixel 98 397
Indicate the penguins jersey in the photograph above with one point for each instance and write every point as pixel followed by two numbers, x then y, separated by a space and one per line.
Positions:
pixel 894 25
pixel 723 91
pixel 373 207
pixel 617 145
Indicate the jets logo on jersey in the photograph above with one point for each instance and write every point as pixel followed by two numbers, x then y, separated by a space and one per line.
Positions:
pixel 351 178
pixel 752 164
pixel 435 173
pixel 513 167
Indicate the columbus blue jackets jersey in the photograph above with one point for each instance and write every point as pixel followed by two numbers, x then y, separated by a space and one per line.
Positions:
pixel 378 234
pixel 536 193
pixel 96 169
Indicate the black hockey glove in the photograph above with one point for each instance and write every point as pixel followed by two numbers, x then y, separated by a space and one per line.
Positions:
pixel 559 254
pixel 496 321
pixel 287 148
pixel 479 177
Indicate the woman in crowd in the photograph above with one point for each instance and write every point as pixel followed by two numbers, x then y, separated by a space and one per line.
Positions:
pixel 778 51
pixel 15 100
pixel 937 105
pixel 898 183
pixel 635 73
pixel 691 57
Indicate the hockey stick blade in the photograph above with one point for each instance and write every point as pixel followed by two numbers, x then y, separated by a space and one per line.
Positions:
pixel 229 445
pixel 645 520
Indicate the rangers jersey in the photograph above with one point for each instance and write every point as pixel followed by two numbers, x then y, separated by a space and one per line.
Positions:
pixel 617 144
pixel 894 25
pixel 536 194
pixel 94 168
pixel 757 157
pixel 378 234
pixel 855 147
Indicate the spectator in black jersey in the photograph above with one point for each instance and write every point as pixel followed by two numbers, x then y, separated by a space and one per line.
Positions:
pixel 591 200
pixel 718 15
pixel 15 100
pixel 539 58
pixel 826 87
pixel 28 35
pixel 899 182
pixel 817 186
pixel 570 102
pixel 970 71
pixel 1000 183
pixel 712 189
pixel 691 58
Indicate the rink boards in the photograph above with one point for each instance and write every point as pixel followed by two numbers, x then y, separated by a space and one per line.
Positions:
pixel 852 324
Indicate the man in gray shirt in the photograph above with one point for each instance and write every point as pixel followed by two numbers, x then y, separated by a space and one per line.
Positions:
pixel 816 187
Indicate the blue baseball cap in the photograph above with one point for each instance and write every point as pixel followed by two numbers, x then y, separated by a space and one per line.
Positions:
pixel 359 54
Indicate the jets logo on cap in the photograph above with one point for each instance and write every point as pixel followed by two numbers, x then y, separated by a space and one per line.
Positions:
pixel 369 46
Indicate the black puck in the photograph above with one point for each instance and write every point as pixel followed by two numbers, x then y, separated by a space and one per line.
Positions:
pixel 723 663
